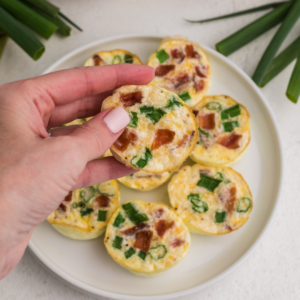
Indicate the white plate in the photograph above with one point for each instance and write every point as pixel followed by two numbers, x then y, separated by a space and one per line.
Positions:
pixel 87 266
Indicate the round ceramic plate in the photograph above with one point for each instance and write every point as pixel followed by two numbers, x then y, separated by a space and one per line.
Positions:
pixel 86 264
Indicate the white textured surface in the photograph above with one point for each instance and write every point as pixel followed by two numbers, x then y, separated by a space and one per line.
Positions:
pixel 273 270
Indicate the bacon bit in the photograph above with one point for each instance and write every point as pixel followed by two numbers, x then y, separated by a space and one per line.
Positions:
pixel 62 207
pixel 230 141
pixel 177 243
pixel 131 99
pixel 206 172
pixel 68 198
pixel 177 55
pixel 162 226
pixel 199 85
pixel 163 70
pixel 143 240
pixel 102 201
pixel 190 52
pixel 98 61
pixel 195 112
pixel 125 139
pixel 229 199
pixel 133 230
pixel 162 137
pixel 183 141
pixel 207 121
pixel 181 79
pixel 228 227
pixel 158 213
pixel 199 73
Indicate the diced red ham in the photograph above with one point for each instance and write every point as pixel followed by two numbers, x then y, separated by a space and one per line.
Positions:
pixel 230 141
pixel 163 70
pixel 131 99
pixel 125 139
pixel 143 240
pixel 162 137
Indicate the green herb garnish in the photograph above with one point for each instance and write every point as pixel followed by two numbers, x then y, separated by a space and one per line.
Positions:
pixel 118 220
pixel 146 109
pixel 213 106
pixel 203 132
pixel 87 194
pixel 86 211
pixel 220 217
pixel 133 214
pixel 293 90
pixel 142 255
pixel 185 96
pixel 231 112
pixel 139 162
pixel 229 126
pixel 156 115
pixel 244 205
pixel 117 243
pixel 128 59
pixel 209 183
pixel 199 205
pixel 158 252
pixel 133 119
pixel 162 56
pixel 75 205
pixel 173 102
pixel 101 215
pixel 129 252
pixel 117 59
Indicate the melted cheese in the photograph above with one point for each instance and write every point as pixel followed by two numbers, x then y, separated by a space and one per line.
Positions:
pixel 149 266
pixel 186 66
pixel 207 150
pixel 184 184
pixel 70 222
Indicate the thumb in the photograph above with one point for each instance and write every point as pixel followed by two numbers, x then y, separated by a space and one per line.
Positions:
pixel 95 136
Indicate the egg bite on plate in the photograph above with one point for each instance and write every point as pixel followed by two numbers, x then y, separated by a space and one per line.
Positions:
pixel 223 131
pixel 162 129
pixel 181 66
pixel 210 200
pixel 146 238
pixel 143 181
pixel 113 57
pixel 84 213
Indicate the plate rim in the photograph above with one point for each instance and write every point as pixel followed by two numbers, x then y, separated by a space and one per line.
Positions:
pixel 98 292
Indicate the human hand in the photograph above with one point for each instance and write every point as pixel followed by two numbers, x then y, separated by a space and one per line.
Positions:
pixel 38 171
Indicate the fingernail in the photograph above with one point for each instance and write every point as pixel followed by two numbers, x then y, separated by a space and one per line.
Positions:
pixel 116 119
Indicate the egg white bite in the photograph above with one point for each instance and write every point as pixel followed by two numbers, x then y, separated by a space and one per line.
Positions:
pixel 181 66
pixel 210 200
pixel 85 212
pixel 143 181
pixel 223 131
pixel 162 129
pixel 146 238
pixel 113 57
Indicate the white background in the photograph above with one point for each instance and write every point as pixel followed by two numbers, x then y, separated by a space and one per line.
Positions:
pixel 273 270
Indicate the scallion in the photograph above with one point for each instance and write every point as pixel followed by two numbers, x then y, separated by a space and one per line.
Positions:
pixel 118 220
pixel 220 217
pixel 133 119
pixel 208 183
pixel 129 252
pixel 3 41
pixel 185 96
pixel 69 21
pixel 139 162
pixel 87 194
pixel 133 214
pixel 102 215
pixel 44 6
pixel 158 252
pixel 203 132
pixel 156 115
pixel 162 56
pixel 117 59
pixel 146 109
pixel 276 42
pixel 117 243
pixel 293 90
pixel 229 126
pixel 244 205
pixel 86 211
pixel 231 112
pixel 142 255
pixel 173 102
pixel 128 59
pixel 213 106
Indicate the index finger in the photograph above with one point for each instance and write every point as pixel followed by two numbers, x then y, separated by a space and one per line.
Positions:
pixel 73 84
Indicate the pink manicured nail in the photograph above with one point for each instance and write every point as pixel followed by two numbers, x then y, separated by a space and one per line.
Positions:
pixel 116 119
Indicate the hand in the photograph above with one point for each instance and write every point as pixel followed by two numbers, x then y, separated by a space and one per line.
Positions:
pixel 38 171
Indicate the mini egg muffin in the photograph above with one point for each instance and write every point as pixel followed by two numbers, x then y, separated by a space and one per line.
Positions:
pixel 113 57
pixel 146 238
pixel 210 200
pixel 182 67
pixel 84 213
pixel 223 131
pixel 162 129
pixel 141 180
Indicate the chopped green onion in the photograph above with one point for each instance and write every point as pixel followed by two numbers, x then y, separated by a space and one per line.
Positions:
pixel 293 90
pixel 101 215
pixel 240 13
pixel 193 197
pixel 44 6
pixel 198 205
pixel 213 106
pixel 75 205
pixel 231 112
pixel 21 35
pixel 220 217
pixel 129 209
pixel 162 56
pixel 29 17
pixel 133 119
pixel 142 162
pixel 69 21
pixel 142 255
pixel 128 59
pixel 81 204
pixel 146 109
pixel 253 30
pixel 209 183
pixel 219 175
pixel 244 205
pixel 203 132
pixel 117 59
pixel 229 126
pixel 119 220
pixel 276 42
pixel 173 102
pixel 117 243
pixel 133 214
pixel 185 96
pixel 86 211
pixel 156 115
pixel 131 175
pixel 139 218
pixel 87 194
pixel 3 41
pixel 129 252
pixel 158 252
